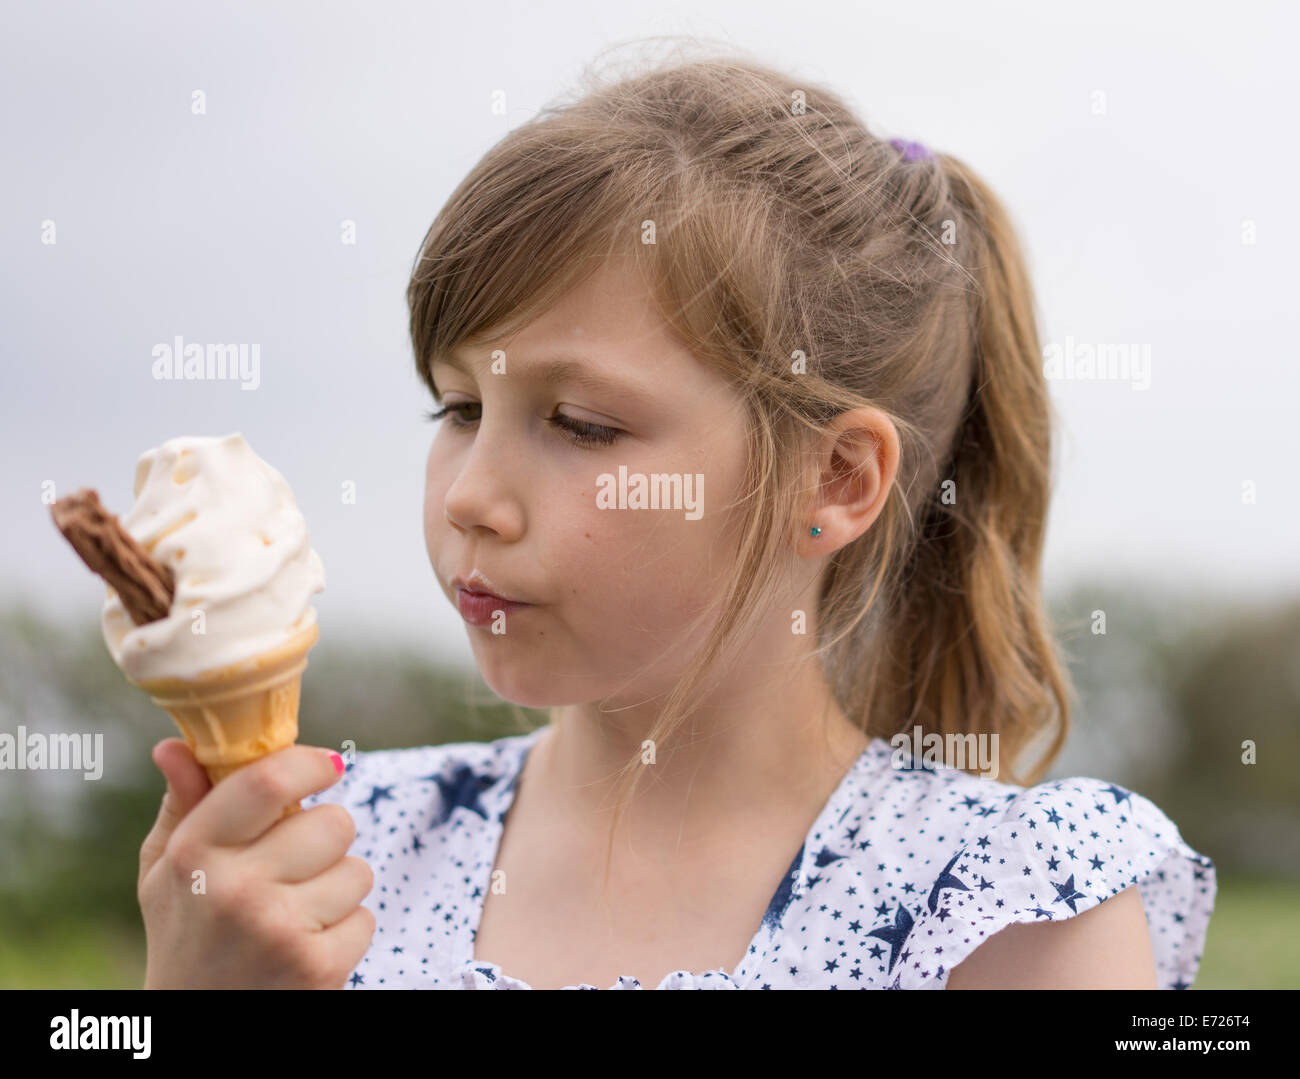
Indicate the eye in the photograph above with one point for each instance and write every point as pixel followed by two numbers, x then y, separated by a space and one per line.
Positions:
pixel 578 432
pixel 583 433
pixel 455 410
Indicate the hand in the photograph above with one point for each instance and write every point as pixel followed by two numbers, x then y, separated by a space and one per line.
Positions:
pixel 279 905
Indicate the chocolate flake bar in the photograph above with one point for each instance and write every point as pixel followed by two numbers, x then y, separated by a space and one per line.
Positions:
pixel 144 585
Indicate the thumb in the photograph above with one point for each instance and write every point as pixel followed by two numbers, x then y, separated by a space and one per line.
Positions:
pixel 187 783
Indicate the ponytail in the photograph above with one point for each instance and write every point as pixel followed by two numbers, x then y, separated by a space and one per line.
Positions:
pixel 968 648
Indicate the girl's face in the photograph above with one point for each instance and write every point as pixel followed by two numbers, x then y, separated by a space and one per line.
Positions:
pixel 511 493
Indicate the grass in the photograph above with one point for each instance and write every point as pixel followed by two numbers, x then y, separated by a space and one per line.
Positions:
pixel 1253 943
pixel 1254 937
pixel 76 955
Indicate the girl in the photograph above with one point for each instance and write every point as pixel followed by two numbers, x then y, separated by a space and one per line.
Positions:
pixel 743 472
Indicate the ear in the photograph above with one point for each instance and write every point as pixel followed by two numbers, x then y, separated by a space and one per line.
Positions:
pixel 857 464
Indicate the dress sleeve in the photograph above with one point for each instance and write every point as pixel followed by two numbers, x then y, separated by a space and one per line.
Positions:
pixel 1060 849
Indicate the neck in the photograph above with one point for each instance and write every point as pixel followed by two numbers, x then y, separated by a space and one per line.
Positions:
pixel 762 746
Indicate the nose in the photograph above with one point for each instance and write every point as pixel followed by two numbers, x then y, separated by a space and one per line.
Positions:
pixel 484 494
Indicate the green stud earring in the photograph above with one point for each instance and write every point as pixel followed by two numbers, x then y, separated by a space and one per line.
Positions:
pixel 814 531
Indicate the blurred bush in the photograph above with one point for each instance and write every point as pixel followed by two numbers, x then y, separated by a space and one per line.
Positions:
pixel 1170 694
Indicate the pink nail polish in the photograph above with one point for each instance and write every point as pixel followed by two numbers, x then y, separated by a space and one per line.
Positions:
pixel 337 761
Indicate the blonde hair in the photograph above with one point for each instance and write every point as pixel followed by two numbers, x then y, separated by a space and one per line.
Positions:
pixel 781 223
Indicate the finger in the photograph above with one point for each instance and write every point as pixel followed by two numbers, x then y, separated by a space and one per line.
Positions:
pixel 186 777
pixel 248 802
pixel 187 783
pixel 306 844
pixel 331 896
pixel 349 940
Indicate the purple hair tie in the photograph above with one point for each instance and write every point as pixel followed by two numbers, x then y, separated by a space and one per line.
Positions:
pixel 911 151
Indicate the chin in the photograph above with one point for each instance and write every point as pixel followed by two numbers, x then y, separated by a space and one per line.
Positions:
pixel 520 683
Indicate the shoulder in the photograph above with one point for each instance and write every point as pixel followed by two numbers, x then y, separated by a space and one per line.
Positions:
pixel 1107 946
pixel 1072 883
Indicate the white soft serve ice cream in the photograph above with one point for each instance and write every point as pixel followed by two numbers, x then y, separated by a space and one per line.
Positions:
pixel 227 525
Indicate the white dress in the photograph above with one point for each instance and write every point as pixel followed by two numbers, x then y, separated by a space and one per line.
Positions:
pixel 902 875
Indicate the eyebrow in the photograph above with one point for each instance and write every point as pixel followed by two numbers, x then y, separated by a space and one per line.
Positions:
pixel 564 370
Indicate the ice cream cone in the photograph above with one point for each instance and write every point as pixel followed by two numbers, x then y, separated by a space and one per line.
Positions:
pixel 233 715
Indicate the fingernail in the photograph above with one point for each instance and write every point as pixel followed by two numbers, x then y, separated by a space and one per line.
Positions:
pixel 337 762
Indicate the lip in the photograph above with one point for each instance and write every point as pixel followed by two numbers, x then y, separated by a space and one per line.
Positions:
pixel 483 608
pixel 478 604
pixel 477 583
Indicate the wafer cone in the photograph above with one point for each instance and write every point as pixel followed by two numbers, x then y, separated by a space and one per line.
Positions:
pixel 233 715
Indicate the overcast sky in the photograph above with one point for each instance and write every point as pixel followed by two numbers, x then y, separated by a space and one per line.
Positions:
pixel 1142 150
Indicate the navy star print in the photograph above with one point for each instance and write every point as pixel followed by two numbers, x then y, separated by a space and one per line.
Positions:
pixel 461 789
pixel 904 873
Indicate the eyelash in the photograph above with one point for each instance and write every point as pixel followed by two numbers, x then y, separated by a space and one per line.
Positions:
pixel 579 432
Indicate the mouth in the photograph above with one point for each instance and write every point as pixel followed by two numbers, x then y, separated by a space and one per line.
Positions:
pixel 483 608
pixel 478 603
pixel 476 583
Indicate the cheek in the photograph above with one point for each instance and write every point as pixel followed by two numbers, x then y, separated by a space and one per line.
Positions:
pixel 637 572
pixel 583 543
pixel 672 569
pixel 435 499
